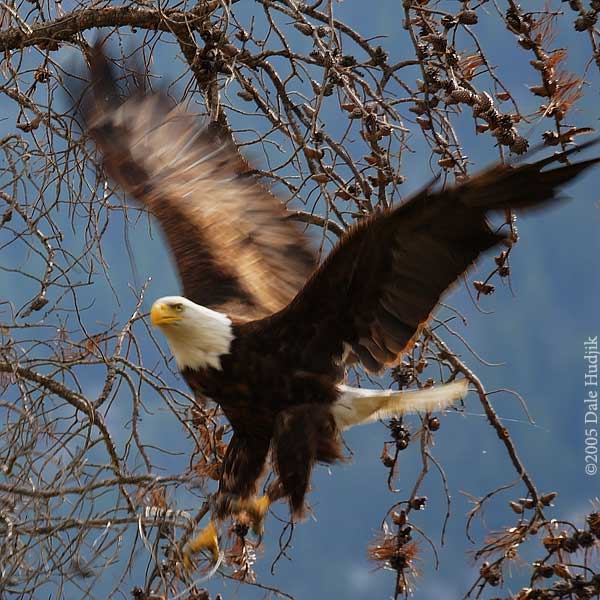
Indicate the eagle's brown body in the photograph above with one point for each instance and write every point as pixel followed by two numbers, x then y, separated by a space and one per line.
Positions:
pixel 295 328
pixel 284 408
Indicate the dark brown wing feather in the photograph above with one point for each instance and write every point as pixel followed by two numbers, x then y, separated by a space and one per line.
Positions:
pixel 234 248
pixel 382 281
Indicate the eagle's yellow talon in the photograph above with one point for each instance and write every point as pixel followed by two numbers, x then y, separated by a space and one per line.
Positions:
pixel 258 512
pixel 256 508
pixel 206 540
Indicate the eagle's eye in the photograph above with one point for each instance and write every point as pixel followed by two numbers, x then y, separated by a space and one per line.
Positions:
pixel 178 307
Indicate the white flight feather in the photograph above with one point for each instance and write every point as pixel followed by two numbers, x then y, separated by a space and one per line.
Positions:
pixel 356 406
pixel 200 338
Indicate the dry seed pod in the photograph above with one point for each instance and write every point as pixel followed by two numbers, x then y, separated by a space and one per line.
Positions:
pixel 542 570
pixel 29 126
pixel 463 95
pixel 371 136
pixel 418 503
pixel 315 153
pixel 230 50
pixel 520 145
pixel 553 543
pixel 424 123
pixel 321 177
pixel 507 137
pixel 484 288
pixel 447 162
pixel 540 65
pixel 539 90
pixel 246 96
pixel 547 499
pixel 586 21
pixel 562 571
pixel 584 539
pixel 500 260
pixel 433 424
pixel 305 28
pixel 448 21
pixel 418 109
pixel 484 100
pixel 516 507
pixel 468 17
pixel 526 43
pixel 399 518
pixel 42 75
pixel 242 35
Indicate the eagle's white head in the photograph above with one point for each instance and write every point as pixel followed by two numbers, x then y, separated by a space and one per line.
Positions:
pixel 197 335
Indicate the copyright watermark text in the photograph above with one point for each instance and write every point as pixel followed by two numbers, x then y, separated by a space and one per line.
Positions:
pixel 590 399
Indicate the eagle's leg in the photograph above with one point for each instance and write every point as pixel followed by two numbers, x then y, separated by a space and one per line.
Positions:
pixel 242 466
pixel 303 435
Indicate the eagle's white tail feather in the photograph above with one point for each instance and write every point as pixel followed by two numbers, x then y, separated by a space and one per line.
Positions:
pixel 356 405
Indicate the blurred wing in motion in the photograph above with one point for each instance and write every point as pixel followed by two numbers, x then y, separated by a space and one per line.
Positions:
pixel 371 296
pixel 235 250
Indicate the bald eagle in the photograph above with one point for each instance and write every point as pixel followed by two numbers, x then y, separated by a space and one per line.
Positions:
pixel 261 329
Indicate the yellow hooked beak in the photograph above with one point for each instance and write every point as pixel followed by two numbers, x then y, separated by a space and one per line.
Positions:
pixel 163 314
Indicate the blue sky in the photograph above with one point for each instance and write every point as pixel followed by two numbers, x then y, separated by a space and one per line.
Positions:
pixel 535 331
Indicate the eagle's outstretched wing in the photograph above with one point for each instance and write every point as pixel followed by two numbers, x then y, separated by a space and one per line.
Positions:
pixel 234 247
pixel 380 284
